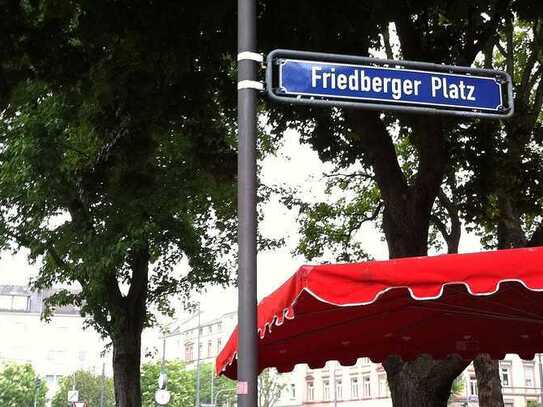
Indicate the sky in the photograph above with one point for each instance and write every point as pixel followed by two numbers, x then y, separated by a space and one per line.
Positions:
pixel 295 165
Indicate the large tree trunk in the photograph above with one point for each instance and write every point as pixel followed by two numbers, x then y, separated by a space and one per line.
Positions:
pixel 128 320
pixel 488 381
pixel 126 369
pixel 424 382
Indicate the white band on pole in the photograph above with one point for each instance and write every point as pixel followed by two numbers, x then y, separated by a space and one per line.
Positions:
pixel 252 56
pixel 250 85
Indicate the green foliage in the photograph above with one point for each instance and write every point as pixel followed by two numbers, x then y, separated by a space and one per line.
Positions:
pixel 19 385
pixel 89 386
pixel 502 194
pixel 532 403
pixel 117 150
pixel 457 388
pixel 221 384
pixel 269 388
pixel 182 384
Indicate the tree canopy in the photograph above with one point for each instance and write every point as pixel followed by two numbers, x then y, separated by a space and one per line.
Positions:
pixel 182 384
pixel 117 156
pixel 88 385
pixel 19 385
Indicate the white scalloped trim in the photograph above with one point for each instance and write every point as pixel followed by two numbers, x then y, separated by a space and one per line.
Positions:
pixel 277 321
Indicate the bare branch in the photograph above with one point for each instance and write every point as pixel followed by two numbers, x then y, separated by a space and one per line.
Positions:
pixel 537 237
pixel 362 175
pixel 386 43
pixel 501 49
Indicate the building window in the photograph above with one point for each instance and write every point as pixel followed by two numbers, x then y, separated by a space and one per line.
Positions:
pixel 200 350
pixel 339 389
pixel 310 391
pixel 82 356
pixel 219 345
pixel 365 361
pixel 354 388
pixel 219 326
pixel 384 391
pixel 292 391
pixel 326 390
pixel 529 377
pixel 473 386
pixel 52 381
pixel 14 302
pixel 209 349
pixel 505 375
pixel 189 352
pixel 366 386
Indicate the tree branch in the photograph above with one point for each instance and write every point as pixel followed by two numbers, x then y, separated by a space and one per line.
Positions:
pixel 386 43
pixel 537 237
pixel 377 144
pixel 488 34
pixel 362 175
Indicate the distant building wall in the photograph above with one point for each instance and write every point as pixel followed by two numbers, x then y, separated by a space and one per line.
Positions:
pixel 56 348
pixel 361 385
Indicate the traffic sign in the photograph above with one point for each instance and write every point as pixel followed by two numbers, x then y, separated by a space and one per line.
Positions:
pixel 339 80
pixel 79 404
pixel 162 397
pixel 73 396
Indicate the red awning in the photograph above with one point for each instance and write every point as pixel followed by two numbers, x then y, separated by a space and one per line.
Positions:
pixel 462 304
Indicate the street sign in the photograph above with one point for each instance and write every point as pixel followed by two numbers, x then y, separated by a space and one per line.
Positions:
pixel 79 404
pixel 162 397
pixel 406 86
pixel 73 396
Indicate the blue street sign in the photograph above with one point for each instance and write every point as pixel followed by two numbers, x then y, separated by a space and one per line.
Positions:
pixel 388 85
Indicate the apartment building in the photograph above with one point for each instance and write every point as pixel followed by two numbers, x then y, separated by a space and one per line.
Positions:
pixel 56 348
pixel 362 385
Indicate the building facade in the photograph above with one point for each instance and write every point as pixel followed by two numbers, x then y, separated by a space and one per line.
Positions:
pixel 362 385
pixel 55 349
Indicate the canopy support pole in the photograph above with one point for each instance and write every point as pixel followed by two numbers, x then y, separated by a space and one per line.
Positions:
pixel 247 300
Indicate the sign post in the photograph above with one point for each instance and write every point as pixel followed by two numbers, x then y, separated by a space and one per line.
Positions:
pixel 73 396
pixel 247 92
pixel 404 86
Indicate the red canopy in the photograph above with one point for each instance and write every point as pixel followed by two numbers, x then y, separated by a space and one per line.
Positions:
pixel 462 304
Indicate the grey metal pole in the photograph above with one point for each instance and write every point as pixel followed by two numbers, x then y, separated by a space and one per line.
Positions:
pixel 247 339
pixel 37 383
pixel 540 378
pixel 212 380
pixel 198 362
pixel 103 384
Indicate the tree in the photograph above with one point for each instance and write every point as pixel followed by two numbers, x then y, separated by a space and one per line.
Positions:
pixel 117 156
pixel 457 388
pixel 181 383
pixel 222 386
pixel 269 388
pixel 369 149
pixel 507 162
pixel 89 387
pixel 19 385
